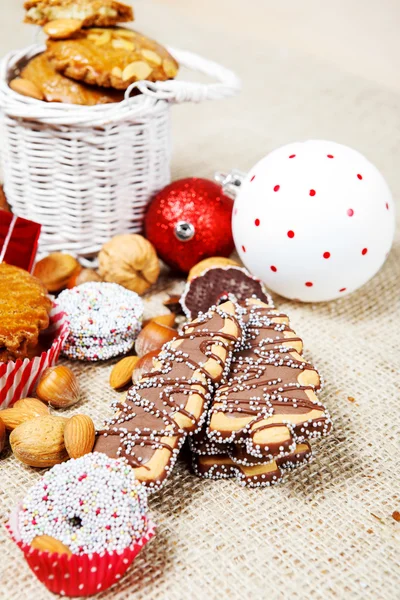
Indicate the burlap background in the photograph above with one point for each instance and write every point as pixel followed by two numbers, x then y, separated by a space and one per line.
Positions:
pixel 328 531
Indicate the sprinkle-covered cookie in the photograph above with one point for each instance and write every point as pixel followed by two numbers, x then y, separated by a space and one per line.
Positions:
pixel 112 57
pixel 90 504
pixel 104 320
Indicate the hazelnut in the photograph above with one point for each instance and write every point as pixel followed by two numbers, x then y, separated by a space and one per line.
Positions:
pixel 167 320
pixel 153 337
pixel 131 261
pixel 58 386
pixel 144 365
pixel 83 276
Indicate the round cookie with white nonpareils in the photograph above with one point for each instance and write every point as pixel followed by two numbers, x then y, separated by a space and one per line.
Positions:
pixel 90 504
pixel 104 320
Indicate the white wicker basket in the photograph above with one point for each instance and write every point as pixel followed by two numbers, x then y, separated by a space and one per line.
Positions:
pixel 87 173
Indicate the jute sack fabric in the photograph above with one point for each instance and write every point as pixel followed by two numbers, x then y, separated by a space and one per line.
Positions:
pixel 328 532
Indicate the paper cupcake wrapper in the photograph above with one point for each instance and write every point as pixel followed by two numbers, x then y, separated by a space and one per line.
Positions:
pixel 77 575
pixel 18 379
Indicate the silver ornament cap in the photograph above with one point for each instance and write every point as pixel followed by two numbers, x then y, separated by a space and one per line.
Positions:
pixel 184 231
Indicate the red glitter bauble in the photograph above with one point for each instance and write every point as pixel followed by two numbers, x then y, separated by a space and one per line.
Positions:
pixel 190 220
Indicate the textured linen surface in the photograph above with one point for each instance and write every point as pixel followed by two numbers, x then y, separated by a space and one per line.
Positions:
pixel 328 531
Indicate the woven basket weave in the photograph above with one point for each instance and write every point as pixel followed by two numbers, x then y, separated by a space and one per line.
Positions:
pixel 87 173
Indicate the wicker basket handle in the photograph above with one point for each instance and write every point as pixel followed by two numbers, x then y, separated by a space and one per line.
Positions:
pixel 182 91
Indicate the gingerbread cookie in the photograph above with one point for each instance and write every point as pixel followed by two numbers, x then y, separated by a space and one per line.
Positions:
pixel 269 403
pixel 113 57
pixel 221 466
pixel 217 284
pixel 151 425
pixel 100 13
pixel 51 86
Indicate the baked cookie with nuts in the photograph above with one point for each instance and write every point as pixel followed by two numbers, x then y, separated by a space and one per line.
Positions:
pixel 111 57
pixel 39 79
pixel 100 13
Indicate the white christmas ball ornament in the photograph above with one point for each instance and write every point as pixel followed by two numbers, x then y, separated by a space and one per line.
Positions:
pixel 313 220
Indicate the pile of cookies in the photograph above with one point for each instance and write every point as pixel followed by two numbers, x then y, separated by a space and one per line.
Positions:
pixel 235 384
pixel 89 60
pixel 261 420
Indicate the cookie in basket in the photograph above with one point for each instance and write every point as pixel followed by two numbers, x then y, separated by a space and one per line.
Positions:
pixel 90 12
pixel 24 312
pixel 40 80
pixel 112 57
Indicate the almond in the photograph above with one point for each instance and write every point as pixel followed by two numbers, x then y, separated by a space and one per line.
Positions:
pixel 137 71
pixel 46 543
pixel 125 33
pixel 56 269
pixel 61 29
pixel 40 442
pixel 170 68
pixel 23 410
pixel 121 374
pixel 167 320
pixel 79 435
pixel 125 44
pixel 3 436
pixel 151 57
pixel 144 365
pixel 103 38
pixel 153 337
pixel 26 88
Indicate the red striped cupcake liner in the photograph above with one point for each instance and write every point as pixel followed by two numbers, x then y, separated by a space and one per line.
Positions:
pixel 77 575
pixel 18 379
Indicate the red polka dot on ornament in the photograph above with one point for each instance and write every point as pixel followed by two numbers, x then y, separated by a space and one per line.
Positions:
pixel 350 212
pixel 312 192
pixel 244 249
pixel 253 178
pixel 387 206
pixel 342 289
pixel 309 283
pixel 330 156
pixel 359 176
pixel 290 234
pixel 292 156
pixel 276 188
pixel 326 255
pixel 257 222
pixel 273 269
pixel 364 251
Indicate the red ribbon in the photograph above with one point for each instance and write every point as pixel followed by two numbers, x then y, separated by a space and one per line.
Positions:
pixel 19 240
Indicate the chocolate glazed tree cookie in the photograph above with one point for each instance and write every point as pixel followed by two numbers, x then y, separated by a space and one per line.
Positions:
pixel 269 404
pixel 151 425
pixel 219 465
